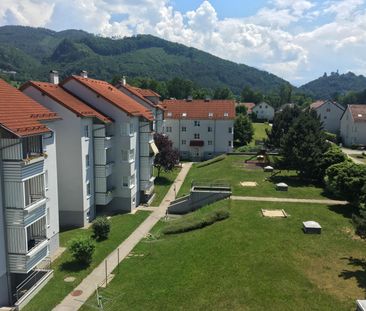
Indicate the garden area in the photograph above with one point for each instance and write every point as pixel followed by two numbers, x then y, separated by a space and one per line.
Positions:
pixel 244 262
pixel 121 226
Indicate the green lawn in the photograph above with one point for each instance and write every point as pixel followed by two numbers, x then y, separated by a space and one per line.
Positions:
pixel 122 226
pixel 162 184
pixel 246 262
pixel 259 132
pixel 233 170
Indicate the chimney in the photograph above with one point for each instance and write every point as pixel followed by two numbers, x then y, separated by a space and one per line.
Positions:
pixel 189 98
pixel 207 98
pixel 54 77
pixel 84 73
pixel 124 81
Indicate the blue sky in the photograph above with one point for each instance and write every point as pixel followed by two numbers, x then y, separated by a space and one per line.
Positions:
pixel 297 40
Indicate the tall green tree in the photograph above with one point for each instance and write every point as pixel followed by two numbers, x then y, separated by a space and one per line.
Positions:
pixel 243 130
pixel 180 88
pixel 248 95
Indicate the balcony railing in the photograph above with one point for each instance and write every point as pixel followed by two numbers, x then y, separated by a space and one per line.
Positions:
pixel 34 190
pixel 32 147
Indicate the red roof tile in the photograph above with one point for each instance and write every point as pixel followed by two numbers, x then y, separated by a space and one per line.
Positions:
pixel 20 114
pixel 69 101
pixel 317 104
pixel 147 92
pixel 199 109
pixel 137 92
pixel 114 96
pixel 358 112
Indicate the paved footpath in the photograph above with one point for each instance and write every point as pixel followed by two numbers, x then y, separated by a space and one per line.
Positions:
pixel 97 276
pixel 289 200
pixel 348 152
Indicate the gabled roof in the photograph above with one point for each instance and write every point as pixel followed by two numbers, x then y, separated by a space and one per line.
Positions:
pixel 69 101
pixel 20 114
pixel 199 109
pixel 319 103
pixel 114 96
pixel 263 103
pixel 358 112
pixel 249 106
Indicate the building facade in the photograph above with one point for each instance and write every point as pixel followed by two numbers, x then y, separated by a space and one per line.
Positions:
pixel 29 230
pixel 353 125
pixel 200 129
pixel 330 114
pixel 264 111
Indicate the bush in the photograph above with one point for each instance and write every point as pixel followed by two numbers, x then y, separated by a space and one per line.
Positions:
pixel 101 228
pixel 82 250
pixel 331 137
pixel 359 223
pixel 214 160
pixel 190 223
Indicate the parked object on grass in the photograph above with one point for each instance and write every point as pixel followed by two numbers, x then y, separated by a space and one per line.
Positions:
pixel 281 186
pixel 312 227
pixel 268 169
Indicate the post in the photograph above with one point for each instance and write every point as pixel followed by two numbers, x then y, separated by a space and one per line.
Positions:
pixel 106 273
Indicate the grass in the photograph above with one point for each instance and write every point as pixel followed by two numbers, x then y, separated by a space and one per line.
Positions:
pixel 162 184
pixel 121 227
pixel 233 170
pixel 259 132
pixel 246 262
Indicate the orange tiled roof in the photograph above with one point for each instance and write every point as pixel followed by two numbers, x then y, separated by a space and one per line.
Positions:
pixel 358 112
pixel 199 109
pixel 147 92
pixel 20 114
pixel 114 96
pixel 69 101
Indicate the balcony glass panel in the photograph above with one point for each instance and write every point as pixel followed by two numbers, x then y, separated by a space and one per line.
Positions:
pixel 32 147
pixel 34 190
pixel 36 234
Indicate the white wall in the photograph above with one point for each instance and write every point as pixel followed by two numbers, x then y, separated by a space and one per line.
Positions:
pixel 352 132
pixel 264 111
pixel 330 115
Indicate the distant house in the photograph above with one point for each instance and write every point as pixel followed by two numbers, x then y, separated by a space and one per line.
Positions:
pixel 330 114
pixel 289 105
pixel 200 129
pixel 353 125
pixel 264 111
pixel 249 107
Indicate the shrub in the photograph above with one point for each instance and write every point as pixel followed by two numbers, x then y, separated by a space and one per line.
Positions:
pixel 82 249
pixel 189 222
pixel 359 223
pixel 212 161
pixel 101 228
pixel 331 137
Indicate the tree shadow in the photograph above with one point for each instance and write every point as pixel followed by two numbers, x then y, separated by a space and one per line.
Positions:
pixel 73 266
pixel 345 210
pixel 359 274
pixel 162 181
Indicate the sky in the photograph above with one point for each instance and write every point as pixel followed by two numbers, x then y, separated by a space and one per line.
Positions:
pixel 297 40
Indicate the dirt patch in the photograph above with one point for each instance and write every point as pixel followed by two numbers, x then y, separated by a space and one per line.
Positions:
pixel 248 184
pixel 351 233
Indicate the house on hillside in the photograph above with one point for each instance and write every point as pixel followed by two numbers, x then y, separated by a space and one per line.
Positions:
pixel 264 111
pixel 200 129
pixel 330 114
pixel 128 142
pixel 249 107
pixel 353 125
pixel 84 143
pixel 148 99
pixel 29 230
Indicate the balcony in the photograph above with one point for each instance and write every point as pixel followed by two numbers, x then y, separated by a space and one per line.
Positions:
pixel 103 171
pixel 104 198
pixel 147 186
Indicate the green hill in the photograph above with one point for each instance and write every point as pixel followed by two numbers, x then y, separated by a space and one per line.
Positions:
pixel 329 86
pixel 33 52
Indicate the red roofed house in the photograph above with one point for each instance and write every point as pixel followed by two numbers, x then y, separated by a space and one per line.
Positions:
pixel 330 114
pixel 148 99
pixel 84 145
pixel 29 230
pixel 353 125
pixel 131 148
pixel 200 129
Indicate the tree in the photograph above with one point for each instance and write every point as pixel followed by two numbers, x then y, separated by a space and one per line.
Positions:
pixel 303 146
pixel 282 122
pixel 180 88
pixel 243 130
pixel 167 157
pixel 347 180
pixel 101 228
pixel 285 93
pixel 241 110
pixel 223 93
pixel 333 156
pixel 82 250
pixel 249 96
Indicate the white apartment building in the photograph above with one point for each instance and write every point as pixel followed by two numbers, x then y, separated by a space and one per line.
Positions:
pixel 29 226
pixel 353 125
pixel 330 114
pixel 147 98
pixel 132 146
pixel 84 162
pixel 200 129
pixel 264 111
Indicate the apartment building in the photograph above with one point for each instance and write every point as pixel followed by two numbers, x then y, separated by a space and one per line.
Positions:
pixel 84 142
pixel 200 129
pixel 330 114
pixel 353 125
pixel 147 98
pixel 29 226
pixel 132 145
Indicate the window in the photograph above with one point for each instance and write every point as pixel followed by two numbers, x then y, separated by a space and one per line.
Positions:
pixel 325 117
pixel 169 114
pixel 197 123
pixel 184 114
pixel 266 106
pixel 328 109
pixel 196 136
pixel 184 129
pixel 86 131
pixel 87 163
pixel 125 180
pixel 209 142
pixel 168 129
pixel 209 129
pixel 260 106
pixel 210 114
pixel 226 114
pixel 88 189
pixel 230 130
pixel 184 142
pixel 229 144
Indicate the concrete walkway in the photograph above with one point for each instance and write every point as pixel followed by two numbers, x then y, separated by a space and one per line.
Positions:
pixel 87 287
pixel 289 200
pixel 348 152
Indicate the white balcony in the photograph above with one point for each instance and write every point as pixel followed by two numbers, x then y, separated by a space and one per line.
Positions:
pixel 103 171
pixel 104 198
pixel 147 186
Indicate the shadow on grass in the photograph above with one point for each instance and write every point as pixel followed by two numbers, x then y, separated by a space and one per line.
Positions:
pixel 359 274
pixel 345 210
pixel 73 266
pixel 162 181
